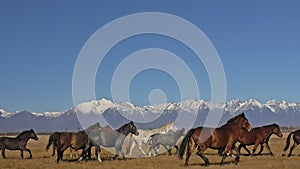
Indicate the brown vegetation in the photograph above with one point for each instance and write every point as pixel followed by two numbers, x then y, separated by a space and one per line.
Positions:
pixel 43 159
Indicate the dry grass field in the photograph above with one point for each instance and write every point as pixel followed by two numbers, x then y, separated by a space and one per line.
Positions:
pixel 43 159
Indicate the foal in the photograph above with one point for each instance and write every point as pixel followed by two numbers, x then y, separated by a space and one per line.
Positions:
pixel 258 136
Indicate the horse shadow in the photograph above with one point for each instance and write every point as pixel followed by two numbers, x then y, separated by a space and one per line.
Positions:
pixel 95 159
pixel 214 164
pixel 284 155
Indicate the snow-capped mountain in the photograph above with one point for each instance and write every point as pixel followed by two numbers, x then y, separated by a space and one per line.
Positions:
pixel 3 113
pixel 150 116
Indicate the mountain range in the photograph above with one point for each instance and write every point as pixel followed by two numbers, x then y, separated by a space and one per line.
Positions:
pixel 117 113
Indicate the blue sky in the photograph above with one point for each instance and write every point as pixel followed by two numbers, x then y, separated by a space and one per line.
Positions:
pixel 257 41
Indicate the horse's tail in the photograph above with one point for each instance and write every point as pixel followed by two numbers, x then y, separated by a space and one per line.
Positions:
pixel 288 141
pixel 184 143
pixel 50 141
pixel 149 142
pixel 53 139
pixel 129 144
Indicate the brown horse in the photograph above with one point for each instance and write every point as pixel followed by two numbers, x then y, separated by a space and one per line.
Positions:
pixel 225 136
pixel 296 138
pixel 258 136
pixel 76 141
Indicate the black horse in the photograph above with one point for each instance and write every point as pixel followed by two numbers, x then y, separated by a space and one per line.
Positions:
pixel 17 143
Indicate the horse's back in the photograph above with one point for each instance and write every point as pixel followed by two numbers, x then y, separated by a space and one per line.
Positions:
pixel 10 143
pixel 105 138
pixel 296 135
pixel 2 140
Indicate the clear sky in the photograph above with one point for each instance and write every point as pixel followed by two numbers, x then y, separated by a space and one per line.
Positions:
pixel 257 41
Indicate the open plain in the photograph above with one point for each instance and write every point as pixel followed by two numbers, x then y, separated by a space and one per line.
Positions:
pixel 43 159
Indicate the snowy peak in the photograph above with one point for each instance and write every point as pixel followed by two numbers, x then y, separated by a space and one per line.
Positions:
pixel 97 107
pixel 192 106
pixel 4 114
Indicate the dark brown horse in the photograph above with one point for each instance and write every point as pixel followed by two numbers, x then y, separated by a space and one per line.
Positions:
pixel 258 136
pixel 225 137
pixel 17 143
pixel 76 141
pixel 296 138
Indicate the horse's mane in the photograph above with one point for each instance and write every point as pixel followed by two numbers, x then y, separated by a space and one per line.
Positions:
pixel 122 127
pixel 94 126
pixel 269 125
pixel 233 119
pixel 23 132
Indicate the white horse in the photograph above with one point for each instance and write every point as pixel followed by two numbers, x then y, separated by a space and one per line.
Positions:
pixel 144 135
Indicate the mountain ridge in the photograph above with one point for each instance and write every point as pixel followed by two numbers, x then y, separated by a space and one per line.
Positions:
pixel 116 113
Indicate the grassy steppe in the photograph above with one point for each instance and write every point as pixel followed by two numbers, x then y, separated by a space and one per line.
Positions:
pixel 43 159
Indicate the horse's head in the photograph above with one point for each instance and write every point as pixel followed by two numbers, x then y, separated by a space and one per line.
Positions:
pixel 276 130
pixel 244 121
pixel 33 135
pixel 171 126
pixel 133 129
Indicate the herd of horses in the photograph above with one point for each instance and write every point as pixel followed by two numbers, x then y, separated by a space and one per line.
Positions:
pixel 223 139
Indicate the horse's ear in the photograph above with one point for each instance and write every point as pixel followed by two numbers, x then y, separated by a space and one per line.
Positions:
pixel 243 114
pixel 131 122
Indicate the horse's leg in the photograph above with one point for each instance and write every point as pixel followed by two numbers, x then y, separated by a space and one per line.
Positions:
pixel 97 152
pixel 117 153
pixel 220 151
pixel 71 152
pixel 292 148
pixel 22 154
pixel 156 149
pixel 150 148
pixel 190 149
pixel 269 149
pixel 83 153
pixel 53 150
pixel 140 144
pixel 223 158
pixel 254 148
pixel 199 153
pixel 245 148
pixel 122 153
pixel 226 151
pixel 89 153
pixel 3 151
pixel 237 158
pixel 28 150
pixel 132 147
pixel 261 149
pixel 167 148
pixel 240 147
pixel 60 152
